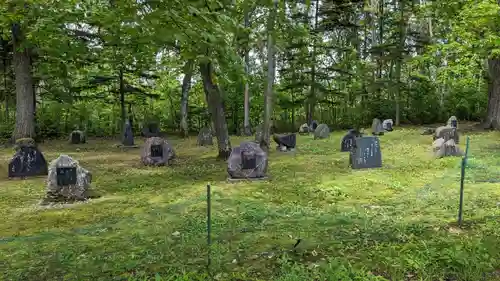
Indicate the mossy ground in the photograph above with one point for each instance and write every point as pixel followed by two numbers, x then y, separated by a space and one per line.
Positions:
pixel 396 222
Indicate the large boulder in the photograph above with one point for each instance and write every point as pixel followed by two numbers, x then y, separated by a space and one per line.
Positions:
pixel 447 133
pixel 452 122
pixel 247 161
pixel 442 148
pixel 387 125
pixel 322 132
pixel 157 152
pixel 77 137
pixel 377 129
pixel 28 161
pixel 205 137
pixel 304 129
pixel 67 181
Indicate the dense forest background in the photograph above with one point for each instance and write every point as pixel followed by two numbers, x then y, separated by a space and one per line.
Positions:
pixel 240 63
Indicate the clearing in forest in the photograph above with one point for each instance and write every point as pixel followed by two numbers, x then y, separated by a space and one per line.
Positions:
pixel 397 221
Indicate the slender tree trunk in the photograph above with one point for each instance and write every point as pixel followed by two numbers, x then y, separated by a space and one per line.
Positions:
pixel 312 94
pixel 5 53
pixel 265 142
pixel 122 97
pixel 25 117
pixel 380 36
pixel 216 107
pixel 399 61
pixel 186 86
pixel 247 130
pixel 493 114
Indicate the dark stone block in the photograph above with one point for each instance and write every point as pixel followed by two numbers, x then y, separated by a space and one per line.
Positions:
pixel 66 176
pixel 128 135
pixel 27 162
pixel 157 150
pixel 366 153
pixel 288 141
pixel 248 161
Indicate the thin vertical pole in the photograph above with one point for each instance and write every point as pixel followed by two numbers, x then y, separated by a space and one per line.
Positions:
pixel 462 177
pixel 209 228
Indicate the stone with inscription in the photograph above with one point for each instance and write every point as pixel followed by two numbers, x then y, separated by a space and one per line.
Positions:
pixel 285 143
pixel 67 181
pixel 28 161
pixel 387 125
pixel 322 132
pixel 366 153
pixel 377 129
pixel 349 139
pixel 304 129
pixel 77 137
pixel 442 148
pixel 247 161
pixel 205 137
pixel 157 152
pixel 447 133
pixel 452 122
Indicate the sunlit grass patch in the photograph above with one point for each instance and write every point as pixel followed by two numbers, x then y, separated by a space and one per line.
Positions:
pixel 396 221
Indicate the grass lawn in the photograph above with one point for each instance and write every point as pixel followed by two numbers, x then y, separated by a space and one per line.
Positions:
pixel 397 222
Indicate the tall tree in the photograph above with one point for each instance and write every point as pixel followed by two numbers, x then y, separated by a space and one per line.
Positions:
pixel 25 109
pixel 186 85
pixel 271 73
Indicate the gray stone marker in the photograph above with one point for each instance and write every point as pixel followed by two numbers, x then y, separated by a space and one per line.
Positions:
pixel 447 133
pixel 304 129
pixel 77 137
pixel 157 152
pixel 442 148
pixel 67 181
pixel 452 122
pixel 387 125
pixel 205 137
pixel 366 153
pixel 247 161
pixel 322 132
pixel 377 129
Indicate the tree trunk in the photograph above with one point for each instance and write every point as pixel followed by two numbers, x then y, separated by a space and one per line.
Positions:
pixel 25 117
pixel 312 94
pixel 247 130
pixel 265 142
pixel 5 54
pixel 399 60
pixel 493 114
pixel 122 98
pixel 216 107
pixel 186 86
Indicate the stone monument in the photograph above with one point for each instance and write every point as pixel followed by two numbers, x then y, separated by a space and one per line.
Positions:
pixel 67 181
pixel 157 152
pixel 247 161
pixel 28 161
pixel 322 132
pixel 377 129
pixel 285 143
